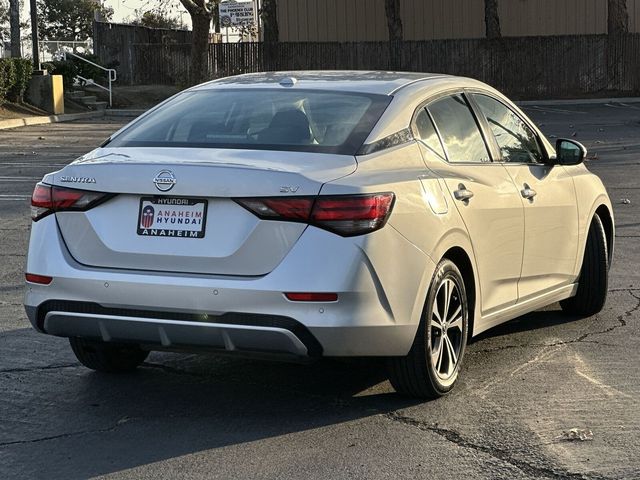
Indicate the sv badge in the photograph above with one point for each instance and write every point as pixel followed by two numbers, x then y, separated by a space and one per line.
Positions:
pixel 288 189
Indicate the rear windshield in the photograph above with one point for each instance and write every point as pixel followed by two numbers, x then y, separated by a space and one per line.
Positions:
pixel 263 119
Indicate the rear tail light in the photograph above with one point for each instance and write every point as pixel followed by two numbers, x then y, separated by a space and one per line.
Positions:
pixel 47 199
pixel 346 215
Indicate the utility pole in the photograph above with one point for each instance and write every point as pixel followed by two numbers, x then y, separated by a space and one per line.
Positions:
pixel 14 21
pixel 34 35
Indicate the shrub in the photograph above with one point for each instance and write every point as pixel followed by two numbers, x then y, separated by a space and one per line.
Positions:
pixel 73 67
pixel 23 68
pixel 67 68
pixel 7 77
pixel 87 70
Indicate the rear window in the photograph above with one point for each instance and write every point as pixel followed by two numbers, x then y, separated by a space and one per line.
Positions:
pixel 267 119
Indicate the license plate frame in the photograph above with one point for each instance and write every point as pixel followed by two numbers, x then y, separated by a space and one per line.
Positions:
pixel 173 204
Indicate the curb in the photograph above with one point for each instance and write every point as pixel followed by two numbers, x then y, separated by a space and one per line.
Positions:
pixel 578 101
pixel 69 117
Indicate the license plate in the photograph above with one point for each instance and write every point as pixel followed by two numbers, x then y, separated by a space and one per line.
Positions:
pixel 172 217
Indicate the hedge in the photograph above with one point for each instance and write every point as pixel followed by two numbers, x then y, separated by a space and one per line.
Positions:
pixel 14 78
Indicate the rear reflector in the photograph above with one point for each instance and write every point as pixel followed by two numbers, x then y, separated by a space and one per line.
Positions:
pixel 346 215
pixel 47 199
pixel 40 279
pixel 311 297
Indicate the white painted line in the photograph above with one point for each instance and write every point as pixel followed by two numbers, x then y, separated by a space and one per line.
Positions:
pixel 9 164
pixel 621 105
pixel 17 178
pixel 556 110
pixel 583 101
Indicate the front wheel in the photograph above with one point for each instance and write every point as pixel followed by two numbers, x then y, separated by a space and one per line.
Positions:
pixel 106 357
pixel 431 367
pixel 594 276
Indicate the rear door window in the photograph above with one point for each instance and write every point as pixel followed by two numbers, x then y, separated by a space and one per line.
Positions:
pixel 459 130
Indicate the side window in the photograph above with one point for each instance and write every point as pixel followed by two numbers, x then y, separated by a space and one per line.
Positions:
pixel 427 133
pixel 516 140
pixel 460 133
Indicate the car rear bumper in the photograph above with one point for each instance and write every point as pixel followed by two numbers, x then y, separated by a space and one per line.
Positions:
pixel 377 312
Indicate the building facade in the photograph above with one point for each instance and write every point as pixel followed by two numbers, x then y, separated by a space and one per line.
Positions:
pixel 365 20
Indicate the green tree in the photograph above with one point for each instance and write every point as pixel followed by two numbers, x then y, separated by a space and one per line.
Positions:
pixel 4 20
pixel 158 18
pixel 202 13
pixel 69 19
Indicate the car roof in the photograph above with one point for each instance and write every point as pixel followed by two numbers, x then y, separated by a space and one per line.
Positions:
pixel 373 82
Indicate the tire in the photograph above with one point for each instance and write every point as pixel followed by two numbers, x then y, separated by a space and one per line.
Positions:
pixel 416 374
pixel 594 276
pixel 108 358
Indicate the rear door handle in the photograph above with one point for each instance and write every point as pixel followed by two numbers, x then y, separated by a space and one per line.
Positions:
pixel 463 194
pixel 528 192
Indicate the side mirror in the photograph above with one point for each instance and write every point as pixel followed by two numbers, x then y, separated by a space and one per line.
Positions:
pixel 569 152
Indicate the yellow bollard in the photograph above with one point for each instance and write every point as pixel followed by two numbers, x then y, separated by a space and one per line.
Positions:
pixel 57 94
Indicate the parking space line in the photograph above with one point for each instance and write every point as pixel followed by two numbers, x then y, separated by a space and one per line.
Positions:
pixel 23 164
pixel 14 197
pixel 554 110
pixel 9 178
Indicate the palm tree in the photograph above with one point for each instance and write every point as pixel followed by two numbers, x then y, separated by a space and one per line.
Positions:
pixel 492 18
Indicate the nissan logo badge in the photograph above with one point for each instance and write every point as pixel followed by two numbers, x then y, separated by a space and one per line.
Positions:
pixel 165 180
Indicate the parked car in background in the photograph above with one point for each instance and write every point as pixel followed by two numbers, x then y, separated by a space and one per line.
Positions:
pixel 317 214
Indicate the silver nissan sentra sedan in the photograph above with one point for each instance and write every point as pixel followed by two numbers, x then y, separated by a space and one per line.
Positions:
pixel 311 214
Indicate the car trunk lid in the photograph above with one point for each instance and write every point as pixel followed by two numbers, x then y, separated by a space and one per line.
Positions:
pixel 232 241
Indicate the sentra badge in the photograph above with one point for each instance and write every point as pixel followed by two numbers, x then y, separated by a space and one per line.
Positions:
pixel 70 179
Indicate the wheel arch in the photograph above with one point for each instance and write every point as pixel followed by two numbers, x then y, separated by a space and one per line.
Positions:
pixel 607 222
pixel 462 260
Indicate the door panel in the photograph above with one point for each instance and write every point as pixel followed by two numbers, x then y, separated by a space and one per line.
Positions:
pixel 494 220
pixel 484 194
pixel 548 197
pixel 551 226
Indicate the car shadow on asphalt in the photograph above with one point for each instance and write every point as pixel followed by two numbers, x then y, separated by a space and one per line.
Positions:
pixel 181 404
pixel 174 405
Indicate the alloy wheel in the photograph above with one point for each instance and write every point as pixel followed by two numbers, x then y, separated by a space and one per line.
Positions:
pixel 447 316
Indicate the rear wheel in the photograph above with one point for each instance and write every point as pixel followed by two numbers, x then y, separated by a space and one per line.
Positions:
pixel 431 367
pixel 594 276
pixel 106 357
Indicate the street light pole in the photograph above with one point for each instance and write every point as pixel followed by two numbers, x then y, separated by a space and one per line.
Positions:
pixel 34 35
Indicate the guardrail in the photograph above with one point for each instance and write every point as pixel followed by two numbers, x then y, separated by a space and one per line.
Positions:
pixel 112 76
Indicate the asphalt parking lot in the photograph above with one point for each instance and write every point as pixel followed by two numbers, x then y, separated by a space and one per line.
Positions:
pixel 187 416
